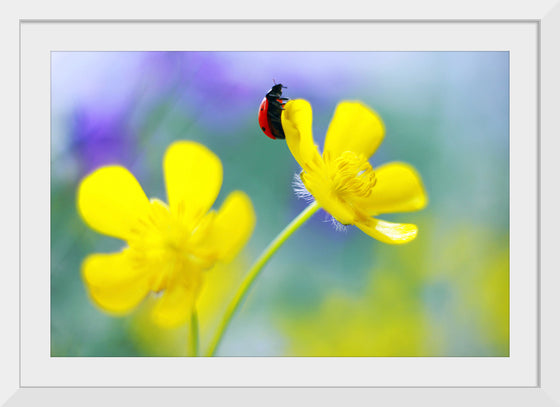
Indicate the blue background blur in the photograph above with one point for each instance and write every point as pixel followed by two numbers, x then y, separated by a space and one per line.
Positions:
pixel 325 292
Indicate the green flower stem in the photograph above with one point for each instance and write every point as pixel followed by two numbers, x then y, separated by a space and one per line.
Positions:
pixel 256 269
pixel 193 341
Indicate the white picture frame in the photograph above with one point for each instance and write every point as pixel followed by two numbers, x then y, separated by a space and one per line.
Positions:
pixel 546 18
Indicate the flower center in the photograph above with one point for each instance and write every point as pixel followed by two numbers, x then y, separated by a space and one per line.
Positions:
pixel 352 175
pixel 166 247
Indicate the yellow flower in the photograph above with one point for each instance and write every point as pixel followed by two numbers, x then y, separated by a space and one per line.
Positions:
pixel 342 181
pixel 169 247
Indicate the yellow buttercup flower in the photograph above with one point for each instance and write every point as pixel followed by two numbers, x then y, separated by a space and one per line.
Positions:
pixel 169 247
pixel 342 181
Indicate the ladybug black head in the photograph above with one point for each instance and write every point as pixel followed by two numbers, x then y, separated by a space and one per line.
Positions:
pixel 277 88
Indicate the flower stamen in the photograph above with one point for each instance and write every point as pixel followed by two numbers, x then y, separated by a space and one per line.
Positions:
pixel 161 239
pixel 352 175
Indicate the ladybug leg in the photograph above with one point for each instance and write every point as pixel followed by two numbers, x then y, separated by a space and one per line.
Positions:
pixel 282 102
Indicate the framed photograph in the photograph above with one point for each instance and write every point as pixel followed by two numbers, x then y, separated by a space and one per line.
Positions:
pixel 354 204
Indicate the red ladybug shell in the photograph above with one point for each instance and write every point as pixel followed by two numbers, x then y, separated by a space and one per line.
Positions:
pixel 270 112
pixel 263 118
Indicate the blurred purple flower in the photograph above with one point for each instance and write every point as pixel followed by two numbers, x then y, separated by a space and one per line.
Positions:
pixel 203 87
pixel 100 138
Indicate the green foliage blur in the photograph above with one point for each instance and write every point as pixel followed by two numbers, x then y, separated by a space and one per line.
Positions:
pixel 325 292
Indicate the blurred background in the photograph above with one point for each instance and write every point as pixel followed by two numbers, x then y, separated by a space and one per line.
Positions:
pixel 325 292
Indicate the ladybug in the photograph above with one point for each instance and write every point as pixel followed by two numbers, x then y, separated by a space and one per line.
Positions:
pixel 270 111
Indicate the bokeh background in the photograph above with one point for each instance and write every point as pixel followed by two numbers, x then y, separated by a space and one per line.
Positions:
pixel 325 292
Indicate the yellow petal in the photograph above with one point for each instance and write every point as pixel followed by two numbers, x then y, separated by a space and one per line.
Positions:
pixel 297 121
pixel 321 190
pixel 387 232
pixel 354 127
pixel 398 189
pixel 230 228
pixel 113 282
pixel 176 303
pixel 193 177
pixel 111 201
